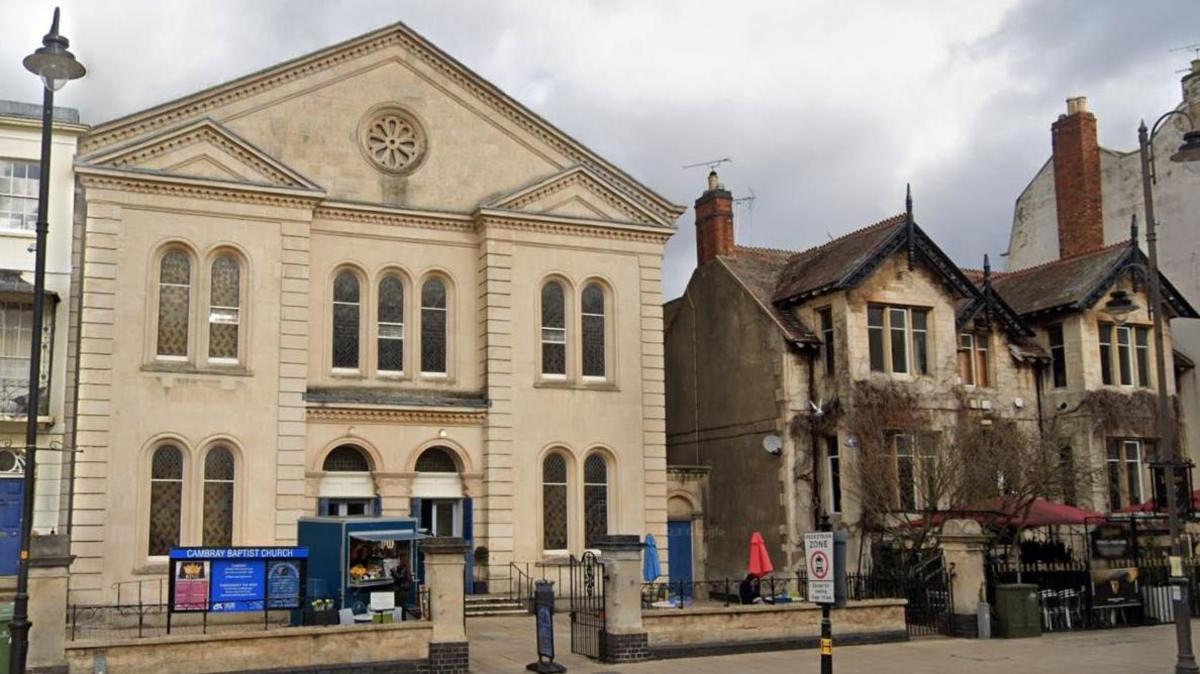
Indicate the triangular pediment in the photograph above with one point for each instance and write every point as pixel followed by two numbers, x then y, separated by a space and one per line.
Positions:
pixel 317 113
pixel 202 149
pixel 577 193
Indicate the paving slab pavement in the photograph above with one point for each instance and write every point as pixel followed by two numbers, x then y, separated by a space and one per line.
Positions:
pixel 506 645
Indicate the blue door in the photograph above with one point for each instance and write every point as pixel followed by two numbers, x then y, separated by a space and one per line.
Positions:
pixel 679 561
pixel 11 491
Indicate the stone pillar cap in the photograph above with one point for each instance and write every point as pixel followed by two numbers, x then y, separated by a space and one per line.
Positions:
pixel 618 542
pixel 444 545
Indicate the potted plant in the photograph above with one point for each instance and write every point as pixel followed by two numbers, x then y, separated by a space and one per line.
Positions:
pixel 323 612
pixel 481 570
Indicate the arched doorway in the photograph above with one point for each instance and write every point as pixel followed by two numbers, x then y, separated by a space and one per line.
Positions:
pixel 346 488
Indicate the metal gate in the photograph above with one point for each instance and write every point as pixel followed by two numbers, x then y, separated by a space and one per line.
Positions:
pixel 587 605
pixel 930 606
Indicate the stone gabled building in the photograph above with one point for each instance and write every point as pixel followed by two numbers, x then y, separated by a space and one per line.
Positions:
pixel 364 281
pixel 873 343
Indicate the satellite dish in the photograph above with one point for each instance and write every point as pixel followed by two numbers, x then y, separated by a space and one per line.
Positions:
pixel 852 442
pixel 773 445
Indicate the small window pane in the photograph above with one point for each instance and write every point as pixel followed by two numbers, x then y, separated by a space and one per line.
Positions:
pixel 1143 357
pixel 554 469
pixel 436 460
pixel 433 294
pixel 174 296
pixel 554 334
pixel 1123 356
pixel 346 459
pixel 223 316
pixel 345 287
pixel 1106 374
pixel 899 337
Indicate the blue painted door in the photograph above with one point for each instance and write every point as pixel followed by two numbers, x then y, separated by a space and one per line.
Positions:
pixel 679 562
pixel 11 491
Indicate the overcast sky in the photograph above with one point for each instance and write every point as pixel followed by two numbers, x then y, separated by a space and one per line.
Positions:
pixel 827 109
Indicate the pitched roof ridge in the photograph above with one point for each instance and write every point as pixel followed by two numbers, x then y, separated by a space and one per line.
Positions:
pixel 764 250
pixel 1038 267
pixel 886 222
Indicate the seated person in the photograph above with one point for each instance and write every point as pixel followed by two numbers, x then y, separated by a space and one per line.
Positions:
pixel 749 590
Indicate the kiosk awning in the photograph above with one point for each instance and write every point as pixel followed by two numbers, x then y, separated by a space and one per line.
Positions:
pixel 388 535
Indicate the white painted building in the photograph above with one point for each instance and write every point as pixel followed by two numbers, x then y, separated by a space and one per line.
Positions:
pixel 20 151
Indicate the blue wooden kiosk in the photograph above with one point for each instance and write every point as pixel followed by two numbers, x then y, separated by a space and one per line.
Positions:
pixel 351 557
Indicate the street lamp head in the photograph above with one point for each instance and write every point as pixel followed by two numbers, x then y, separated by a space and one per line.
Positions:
pixel 1190 150
pixel 1119 306
pixel 52 62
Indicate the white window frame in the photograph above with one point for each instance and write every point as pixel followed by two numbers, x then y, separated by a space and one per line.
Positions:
pixel 908 334
pixel 397 327
pixel 445 373
pixel 550 335
pixel 8 192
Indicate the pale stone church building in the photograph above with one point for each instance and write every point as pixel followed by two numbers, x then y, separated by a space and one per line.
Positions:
pixel 364 281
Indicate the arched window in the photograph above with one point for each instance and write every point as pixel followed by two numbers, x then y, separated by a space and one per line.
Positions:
pixel 592 307
pixel 346 459
pixel 345 320
pixel 218 498
pixel 554 502
pixel 166 499
pixel 391 325
pixel 174 298
pixel 554 330
pixel 436 460
pixel 595 499
pixel 224 312
pixel 433 327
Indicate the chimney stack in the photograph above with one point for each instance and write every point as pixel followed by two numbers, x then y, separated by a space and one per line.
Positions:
pixel 714 221
pixel 1077 180
pixel 1191 90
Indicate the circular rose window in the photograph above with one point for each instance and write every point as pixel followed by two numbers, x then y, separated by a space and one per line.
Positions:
pixel 394 141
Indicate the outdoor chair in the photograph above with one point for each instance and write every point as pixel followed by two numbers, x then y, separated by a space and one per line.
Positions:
pixel 1071 607
pixel 1051 609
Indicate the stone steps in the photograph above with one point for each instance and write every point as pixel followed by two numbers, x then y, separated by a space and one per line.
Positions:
pixel 481 605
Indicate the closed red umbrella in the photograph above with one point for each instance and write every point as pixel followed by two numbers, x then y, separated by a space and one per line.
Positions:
pixel 760 561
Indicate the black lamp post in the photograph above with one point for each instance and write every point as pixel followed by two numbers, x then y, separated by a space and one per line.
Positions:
pixel 1189 151
pixel 56 66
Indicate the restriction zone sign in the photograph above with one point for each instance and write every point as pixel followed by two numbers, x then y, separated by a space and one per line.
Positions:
pixel 818 553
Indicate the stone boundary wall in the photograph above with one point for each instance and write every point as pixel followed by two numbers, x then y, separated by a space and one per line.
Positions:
pixel 721 630
pixel 403 647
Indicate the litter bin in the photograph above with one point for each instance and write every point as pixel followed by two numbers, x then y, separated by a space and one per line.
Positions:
pixel 6 614
pixel 1017 612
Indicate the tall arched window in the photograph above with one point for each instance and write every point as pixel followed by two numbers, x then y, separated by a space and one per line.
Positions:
pixel 592 310
pixel 218 498
pixel 224 310
pixel 433 327
pixel 345 320
pixel 595 499
pixel 174 297
pixel 166 499
pixel 554 502
pixel 391 325
pixel 554 330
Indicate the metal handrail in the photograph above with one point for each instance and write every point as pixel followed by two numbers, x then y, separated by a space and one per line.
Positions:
pixel 140 584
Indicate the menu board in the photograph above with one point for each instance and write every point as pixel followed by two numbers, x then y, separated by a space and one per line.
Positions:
pixel 225 580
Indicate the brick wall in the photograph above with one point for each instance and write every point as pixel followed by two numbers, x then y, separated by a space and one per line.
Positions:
pixel 1077 181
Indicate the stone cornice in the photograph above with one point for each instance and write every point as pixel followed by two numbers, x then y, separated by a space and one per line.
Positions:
pixel 126 180
pixel 378 415
pixel 400 35
pixel 394 217
pixel 532 222
pixel 582 176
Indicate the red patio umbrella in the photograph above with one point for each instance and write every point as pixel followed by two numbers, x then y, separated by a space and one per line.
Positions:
pixel 1151 507
pixel 760 562
pixel 1009 511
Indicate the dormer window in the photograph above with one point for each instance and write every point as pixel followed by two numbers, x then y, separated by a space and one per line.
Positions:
pixel 1124 355
pixel 973 365
pixel 898 339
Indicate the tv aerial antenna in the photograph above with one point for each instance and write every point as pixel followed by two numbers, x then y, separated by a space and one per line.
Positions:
pixel 711 164
pixel 1194 48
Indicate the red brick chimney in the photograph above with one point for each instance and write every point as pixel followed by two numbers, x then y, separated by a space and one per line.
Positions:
pixel 1077 180
pixel 714 221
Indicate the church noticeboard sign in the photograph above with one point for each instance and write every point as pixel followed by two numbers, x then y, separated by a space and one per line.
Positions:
pixel 227 580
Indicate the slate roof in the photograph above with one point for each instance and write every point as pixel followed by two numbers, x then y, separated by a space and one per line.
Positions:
pixel 12 283
pixel 759 271
pixel 815 269
pixel 1060 283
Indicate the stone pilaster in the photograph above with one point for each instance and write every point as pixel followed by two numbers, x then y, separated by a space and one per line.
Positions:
pixel 654 411
pixel 495 513
pixel 49 560
pixel 93 393
pixel 293 378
